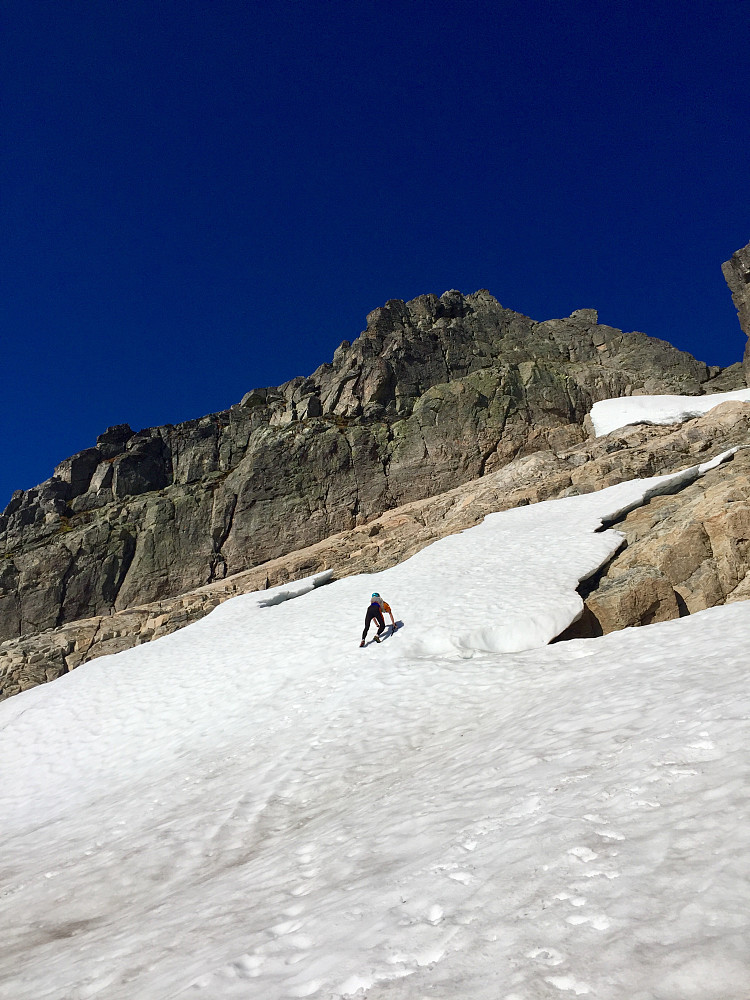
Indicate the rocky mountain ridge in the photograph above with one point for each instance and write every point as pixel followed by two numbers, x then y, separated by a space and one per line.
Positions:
pixel 442 404
pixel 658 574
pixel 435 392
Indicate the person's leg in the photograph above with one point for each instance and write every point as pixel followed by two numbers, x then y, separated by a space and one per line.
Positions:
pixel 380 620
pixel 368 618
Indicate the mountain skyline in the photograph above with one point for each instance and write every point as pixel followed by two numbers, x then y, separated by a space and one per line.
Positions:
pixel 200 199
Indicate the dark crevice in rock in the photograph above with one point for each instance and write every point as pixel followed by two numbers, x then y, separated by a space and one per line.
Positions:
pixel 486 457
pixel 64 583
pixel 14 616
pixel 120 567
pixel 587 587
pixel 586 626
pixel 217 567
pixel 221 538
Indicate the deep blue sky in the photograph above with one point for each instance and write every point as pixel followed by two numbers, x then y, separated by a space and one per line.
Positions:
pixel 198 198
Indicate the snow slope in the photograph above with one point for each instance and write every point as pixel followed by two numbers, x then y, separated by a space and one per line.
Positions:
pixel 254 807
pixel 610 414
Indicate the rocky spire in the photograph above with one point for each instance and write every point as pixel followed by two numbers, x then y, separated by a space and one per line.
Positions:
pixel 737 274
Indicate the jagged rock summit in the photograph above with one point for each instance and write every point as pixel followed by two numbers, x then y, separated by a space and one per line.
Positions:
pixel 435 392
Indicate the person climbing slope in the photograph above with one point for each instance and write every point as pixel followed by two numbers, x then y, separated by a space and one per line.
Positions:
pixel 376 609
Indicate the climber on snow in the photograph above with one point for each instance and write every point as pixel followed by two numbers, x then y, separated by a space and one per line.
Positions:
pixel 376 609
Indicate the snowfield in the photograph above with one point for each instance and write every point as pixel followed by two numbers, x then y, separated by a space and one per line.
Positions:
pixel 255 807
pixel 610 414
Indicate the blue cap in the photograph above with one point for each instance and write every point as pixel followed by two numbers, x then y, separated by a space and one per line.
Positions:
pixel 376 595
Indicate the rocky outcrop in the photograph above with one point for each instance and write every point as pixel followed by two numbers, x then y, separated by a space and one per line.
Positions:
pixel 661 573
pixel 435 392
pixel 737 274
pixel 683 554
pixel 726 380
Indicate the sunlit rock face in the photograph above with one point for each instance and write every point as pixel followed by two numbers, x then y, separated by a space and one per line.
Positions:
pixel 737 273
pixel 681 553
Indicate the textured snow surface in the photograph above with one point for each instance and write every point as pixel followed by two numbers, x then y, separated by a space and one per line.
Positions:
pixel 610 414
pixel 255 807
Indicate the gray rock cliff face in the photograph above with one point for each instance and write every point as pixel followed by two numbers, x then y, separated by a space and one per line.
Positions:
pixel 737 274
pixel 435 392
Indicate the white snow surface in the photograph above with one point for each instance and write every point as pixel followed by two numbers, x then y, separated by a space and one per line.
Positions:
pixel 255 807
pixel 610 414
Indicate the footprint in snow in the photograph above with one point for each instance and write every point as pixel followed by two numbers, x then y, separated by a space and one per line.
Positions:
pixel 597 920
pixel 569 985
pixel 584 854
pixel 248 966
pixel 546 956
pixel 573 900
pixel 609 834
